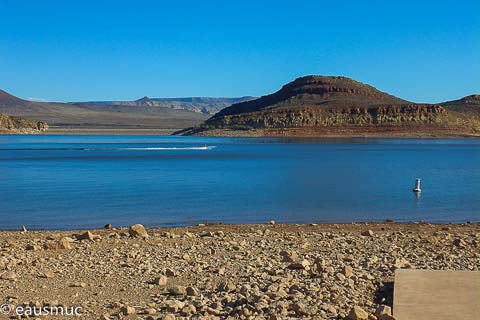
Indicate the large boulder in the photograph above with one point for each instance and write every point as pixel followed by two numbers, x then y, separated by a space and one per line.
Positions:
pixel 138 231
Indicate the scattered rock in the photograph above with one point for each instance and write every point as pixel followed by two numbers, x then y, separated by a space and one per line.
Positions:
pixel 128 311
pixel 47 275
pixel 357 313
pixel 401 263
pixel 170 273
pixel 459 242
pixel 138 231
pixel 9 275
pixel 78 285
pixel 161 281
pixel 382 310
pixel 32 247
pixel 192 291
pixel 62 244
pixel 289 256
pixel 347 271
pixel 301 265
pixel 226 286
pixel 86 236
pixel 367 233
pixel 177 291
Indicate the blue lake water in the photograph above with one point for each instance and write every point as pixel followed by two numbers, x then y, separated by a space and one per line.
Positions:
pixel 70 182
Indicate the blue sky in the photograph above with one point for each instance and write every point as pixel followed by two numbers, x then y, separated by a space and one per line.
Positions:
pixel 424 51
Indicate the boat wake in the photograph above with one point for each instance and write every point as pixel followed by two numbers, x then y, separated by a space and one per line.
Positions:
pixel 113 149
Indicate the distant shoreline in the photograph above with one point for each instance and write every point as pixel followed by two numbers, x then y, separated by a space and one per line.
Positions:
pixel 219 225
pixel 283 133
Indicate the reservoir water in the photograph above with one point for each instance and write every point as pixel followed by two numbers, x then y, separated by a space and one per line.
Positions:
pixel 73 182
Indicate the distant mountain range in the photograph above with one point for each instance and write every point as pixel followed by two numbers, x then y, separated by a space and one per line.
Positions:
pixel 205 105
pixel 145 113
pixel 340 106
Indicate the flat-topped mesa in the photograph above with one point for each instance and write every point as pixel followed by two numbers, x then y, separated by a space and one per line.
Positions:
pixel 9 124
pixel 323 91
pixel 324 102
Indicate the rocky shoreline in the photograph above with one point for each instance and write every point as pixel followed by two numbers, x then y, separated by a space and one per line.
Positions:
pixel 268 271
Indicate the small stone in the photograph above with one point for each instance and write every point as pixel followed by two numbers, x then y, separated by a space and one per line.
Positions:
pixel 226 286
pixel 383 309
pixel 177 291
pixel 86 236
pixel 192 291
pixel 340 277
pixel 347 271
pixel 9 275
pixel 367 233
pixel 151 311
pixel 459 242
pixel 174 305
pixel 169 272
pixel 272 222
pixel 47 275
pixel 357 313
pixel 188 310
pixel 108 226
pixel 289 256
pixel 78 285
pixel 32 247
pixel 206 234
pixel 401 263
pixel 127 311
pixel 301 265
pixel 62 244
pixel 138 231
pixel 161 281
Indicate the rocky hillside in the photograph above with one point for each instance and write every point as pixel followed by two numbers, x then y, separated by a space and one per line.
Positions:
pixel 325 105
pixel 14 125
pixel 469 105
pixel 91 117
pixel 204 105
pixel 465 111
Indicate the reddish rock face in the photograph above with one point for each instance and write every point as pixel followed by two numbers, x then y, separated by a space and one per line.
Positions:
pixel 313 104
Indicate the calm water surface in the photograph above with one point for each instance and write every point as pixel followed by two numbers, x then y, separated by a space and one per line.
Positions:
pixel 68 182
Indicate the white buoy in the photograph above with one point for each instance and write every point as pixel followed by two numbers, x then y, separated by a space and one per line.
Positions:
pixel 417 186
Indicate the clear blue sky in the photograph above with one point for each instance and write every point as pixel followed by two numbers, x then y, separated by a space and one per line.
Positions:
pixel 425 51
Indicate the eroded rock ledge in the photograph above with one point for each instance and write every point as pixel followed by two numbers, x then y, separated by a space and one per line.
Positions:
pixel 15 125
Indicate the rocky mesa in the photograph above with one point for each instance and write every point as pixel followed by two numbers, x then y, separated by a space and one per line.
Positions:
pixel 340 106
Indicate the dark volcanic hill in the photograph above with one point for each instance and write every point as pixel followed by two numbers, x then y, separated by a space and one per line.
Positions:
pixel 205 105
pixel 327 105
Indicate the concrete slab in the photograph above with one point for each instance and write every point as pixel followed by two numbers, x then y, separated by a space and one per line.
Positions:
pixel 436 295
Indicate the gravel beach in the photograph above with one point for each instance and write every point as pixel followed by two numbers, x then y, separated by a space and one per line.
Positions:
pixel 268 271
